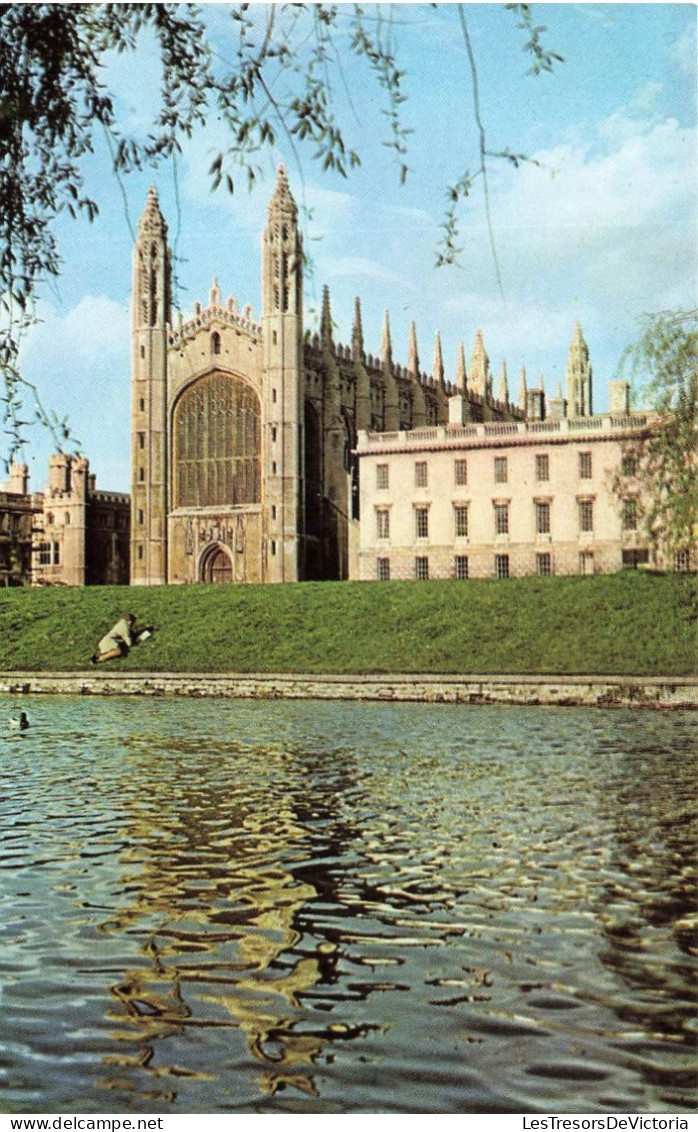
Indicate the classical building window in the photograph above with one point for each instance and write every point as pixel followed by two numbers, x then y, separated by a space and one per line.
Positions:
pixel 421 522
pixel 140 552
pixel 383 569
pixel 45 554
pixel 215 343
pixel 460 513
pixel 66 519
pixel 273 433
pixel 141 404
pixel 632 559
pixel 682 561
pixel 273 511
pixel 543 518
pixel 585 465
pixel 501 518
pixel 501 565
pixel 461 566
pixel 544 565
pixel 141 517
pixel 382 522
pixel 501 471
pixel 543 467
pixel 586 562
pixel 141 440
pixel 586 515
pixel 56 554
pixel 382 477
pixel 272 547
pixel 630 514
pixel 141 475
pixel 421 474
pixel 421 569
pixel 217 444
pixel 460 472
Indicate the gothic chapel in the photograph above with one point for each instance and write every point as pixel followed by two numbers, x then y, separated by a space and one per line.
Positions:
pixel 244 433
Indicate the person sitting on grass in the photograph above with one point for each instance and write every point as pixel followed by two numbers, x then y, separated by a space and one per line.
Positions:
pixel 117 641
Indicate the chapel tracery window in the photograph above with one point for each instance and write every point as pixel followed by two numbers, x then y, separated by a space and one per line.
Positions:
pixel 217 444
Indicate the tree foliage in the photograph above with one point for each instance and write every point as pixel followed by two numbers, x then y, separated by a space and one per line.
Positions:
pixel 276 83
pixel 664 367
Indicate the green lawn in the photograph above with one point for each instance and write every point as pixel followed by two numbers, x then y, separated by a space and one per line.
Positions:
pixel 629 623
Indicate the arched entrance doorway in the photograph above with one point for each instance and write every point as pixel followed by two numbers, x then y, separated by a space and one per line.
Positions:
pixel 216 565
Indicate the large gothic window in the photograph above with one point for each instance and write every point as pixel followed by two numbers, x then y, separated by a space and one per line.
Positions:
pixel 217 444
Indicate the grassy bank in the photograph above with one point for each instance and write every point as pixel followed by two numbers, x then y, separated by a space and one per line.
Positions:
pixel 629 623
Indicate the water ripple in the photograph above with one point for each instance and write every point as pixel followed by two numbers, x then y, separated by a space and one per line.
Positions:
pixel 217 906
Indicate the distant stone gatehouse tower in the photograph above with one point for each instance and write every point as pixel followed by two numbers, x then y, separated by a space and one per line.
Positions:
pixel 244 433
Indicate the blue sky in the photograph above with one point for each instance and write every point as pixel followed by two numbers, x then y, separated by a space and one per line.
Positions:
pixel 601 230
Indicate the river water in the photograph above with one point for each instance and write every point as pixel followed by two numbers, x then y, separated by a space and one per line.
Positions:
pixel 234 906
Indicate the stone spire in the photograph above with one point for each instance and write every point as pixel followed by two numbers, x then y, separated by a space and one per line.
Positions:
pixel 479 367
pixel 419 405
pixel 357 334
pixel 523 389
pixel 437 371
pixel 461 372
pixel 214 298
pixel 363 382
pixel 326 318
pixel 282 257
pixel 579 393
pixel 152 222
pixel 503 390
pixel 458 405
pixel 413 354
pixel 282 204
pixel 386 345
pixel 392 400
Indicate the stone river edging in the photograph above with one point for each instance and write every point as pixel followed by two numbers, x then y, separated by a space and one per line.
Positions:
pixel 580 691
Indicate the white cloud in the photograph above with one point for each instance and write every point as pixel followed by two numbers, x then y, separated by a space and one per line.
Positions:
pixel 682 52
pixel 79 361
pixel 91 336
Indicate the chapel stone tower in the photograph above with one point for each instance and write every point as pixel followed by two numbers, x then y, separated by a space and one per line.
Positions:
pixel 578 377
pixel 151 317
pixel 283 393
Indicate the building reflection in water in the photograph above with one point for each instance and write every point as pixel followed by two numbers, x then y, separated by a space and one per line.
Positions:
pixel 209 884
pixel 647 898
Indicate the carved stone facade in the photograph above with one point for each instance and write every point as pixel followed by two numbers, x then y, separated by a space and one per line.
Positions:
pixel 244 433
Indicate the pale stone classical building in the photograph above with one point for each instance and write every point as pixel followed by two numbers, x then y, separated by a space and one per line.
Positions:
pixel 548 496
pixel 244 432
